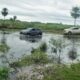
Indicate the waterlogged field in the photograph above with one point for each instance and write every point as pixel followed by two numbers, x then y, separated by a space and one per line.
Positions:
pixel 15 46
pixel 39 58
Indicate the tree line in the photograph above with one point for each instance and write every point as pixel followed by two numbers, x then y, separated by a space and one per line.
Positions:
pixel 75 13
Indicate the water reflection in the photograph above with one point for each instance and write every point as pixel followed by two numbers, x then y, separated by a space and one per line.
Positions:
pixel 75 45
pixel 18 45
pixel 75 40
pixel 4 48
pixel 72 37
pixel 31 38
pixel 57 48
pixel 72 54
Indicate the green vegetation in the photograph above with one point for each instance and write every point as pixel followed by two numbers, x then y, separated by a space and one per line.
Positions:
pixel 4 48
pixel 63 72
pixel 43 47
pixel 54 72
pixel 12 23
pixel 4 12
pixel 49 27
pixel 57 49
pixel 37 57
pixel 4 73
pixel 75 13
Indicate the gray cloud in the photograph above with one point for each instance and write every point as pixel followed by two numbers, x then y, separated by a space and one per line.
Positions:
pixel 40 10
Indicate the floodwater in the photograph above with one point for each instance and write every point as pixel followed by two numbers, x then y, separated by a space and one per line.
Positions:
pixel 21 45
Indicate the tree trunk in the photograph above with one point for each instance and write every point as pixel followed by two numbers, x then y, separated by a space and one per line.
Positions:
pixel 74 22
pixel 4 22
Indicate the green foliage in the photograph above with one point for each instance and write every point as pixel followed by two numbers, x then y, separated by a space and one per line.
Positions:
pixel 63 72
pixel 43 47
pixel 72 73
pixel 4 73
pixel 39 57
pixel 4 12
pixel 27 60
pixel 59 43
pixel 51 27
pixel 58 47
pixel 14 18
pixel 4 48
pixel 36 57
pixel 75 13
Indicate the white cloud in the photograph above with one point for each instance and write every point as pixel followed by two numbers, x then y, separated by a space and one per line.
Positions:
pixel 40 10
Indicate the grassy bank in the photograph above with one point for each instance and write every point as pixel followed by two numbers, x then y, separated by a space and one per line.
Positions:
pixel 54 72
pixel 62 72
pixel 47 27
pixel 39 57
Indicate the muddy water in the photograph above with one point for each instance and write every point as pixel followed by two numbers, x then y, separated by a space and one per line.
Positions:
pixel 19 45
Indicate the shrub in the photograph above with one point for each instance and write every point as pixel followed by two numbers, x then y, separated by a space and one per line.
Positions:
pixel 4 73
pixel 43 47
pixel 4 48
pixel 39 57
pixel 72 54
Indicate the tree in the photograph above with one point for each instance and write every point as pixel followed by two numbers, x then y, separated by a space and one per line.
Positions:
pixel 4 12
pixel 75 13
pixel 14 18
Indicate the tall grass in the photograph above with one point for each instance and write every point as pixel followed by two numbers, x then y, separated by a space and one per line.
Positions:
pixel 63 72
pixel 4 73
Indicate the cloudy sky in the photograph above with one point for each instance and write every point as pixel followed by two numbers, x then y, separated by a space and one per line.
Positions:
pixel 40 10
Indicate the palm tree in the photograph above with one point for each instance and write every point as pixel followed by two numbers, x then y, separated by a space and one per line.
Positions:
pixel 14 18
pixel 75 13
pixel 4 12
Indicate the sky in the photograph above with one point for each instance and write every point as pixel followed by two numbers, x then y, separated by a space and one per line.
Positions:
pixel 52 11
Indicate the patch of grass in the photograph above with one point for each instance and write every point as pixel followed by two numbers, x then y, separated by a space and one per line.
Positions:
pixel 4 48
pixel 63 72
pixel 27 60
pixel 37 57
pixel 4 73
